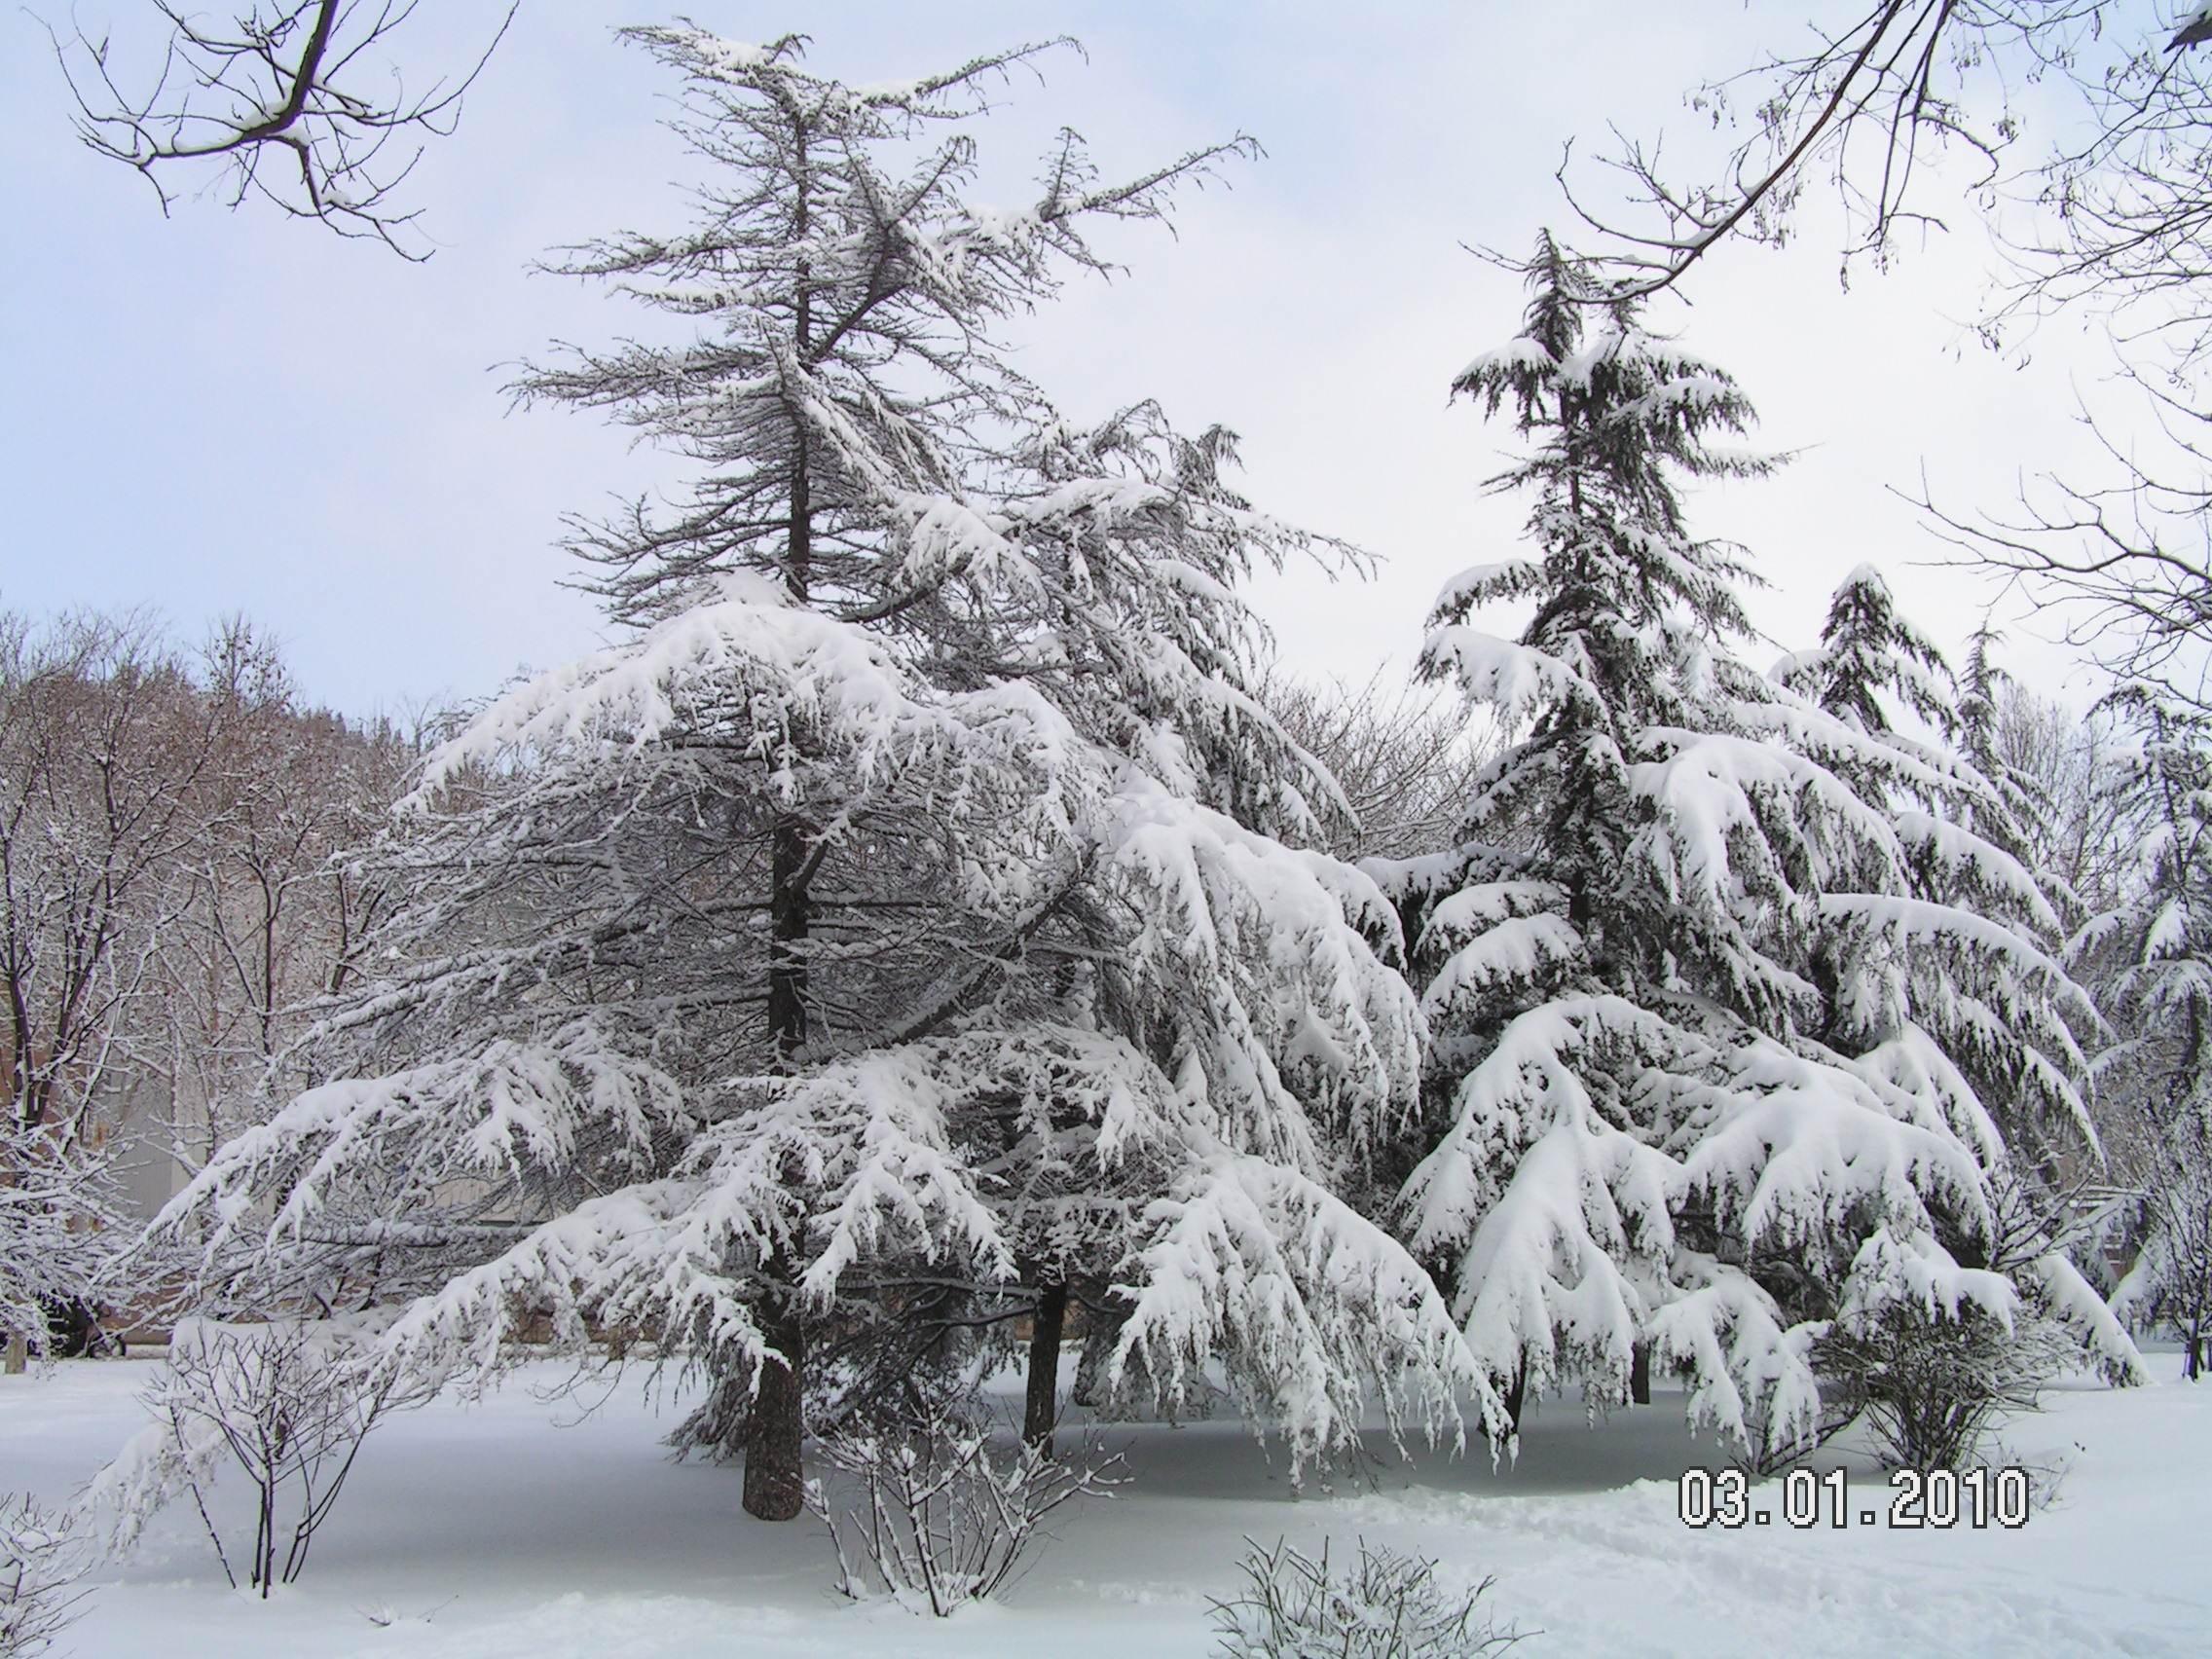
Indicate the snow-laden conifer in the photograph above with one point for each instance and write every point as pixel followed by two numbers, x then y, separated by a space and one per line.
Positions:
pixel 892 930
pixel 2154 955
pixel 1971 955
pixel 1975 979
pixel 2020 817
pixel 1690 1082
pixel 1872 664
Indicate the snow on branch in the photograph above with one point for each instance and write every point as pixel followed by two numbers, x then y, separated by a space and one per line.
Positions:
pixel 659 1254
pixel 1307 1303
pixel 1750 1374
pixel 1258 954
pixel 2075 1304
pixel 1912 1269
pixel 756 672
pixel 57 1198
pixel 1514 679
pixel 773 69
pixel 1530 1081
pixel 1719 798
pixel 1789 1147
pixel 451 1125
pixel 1967 862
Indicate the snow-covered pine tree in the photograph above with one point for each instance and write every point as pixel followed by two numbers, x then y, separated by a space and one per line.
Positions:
pixel 1279 1055
pixel 2153 955
pixel 1870 655
pixel 1990 995
pixel 2002 1015
pixel 1642 1131
pixel 897 907
pixel 2017 819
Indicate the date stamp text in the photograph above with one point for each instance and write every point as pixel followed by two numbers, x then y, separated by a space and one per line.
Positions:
pixel 1915 1499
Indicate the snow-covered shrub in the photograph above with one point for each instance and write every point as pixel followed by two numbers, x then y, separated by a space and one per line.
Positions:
pixel 1932 1385
pixel 41 1562
pixel 945 1513
pixel 1935 1356
pixel 288 1403
pixel 1385 1606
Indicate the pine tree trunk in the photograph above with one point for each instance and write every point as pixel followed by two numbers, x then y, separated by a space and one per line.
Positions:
pixel 1516 1395
pixel 1041 1409
pixel 2192 1363
pixel 1640 1375
pixel 775 1430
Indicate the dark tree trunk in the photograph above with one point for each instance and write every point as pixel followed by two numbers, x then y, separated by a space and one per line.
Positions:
pixel 2192 1363
pixel 1640 1375
pixel 1516 1395
pixel 788 915
pixel 1041 1409
pixel 775 1429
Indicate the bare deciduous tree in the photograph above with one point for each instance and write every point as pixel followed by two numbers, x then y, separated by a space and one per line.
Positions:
pixel 2107 216
pixel 1869 101
pixel 105 745
pixel 2124 565
pixel 1405 756
pixel 169 894
pixel 292 100
pixel 41 1565
pixel 271 908
pixel 105 748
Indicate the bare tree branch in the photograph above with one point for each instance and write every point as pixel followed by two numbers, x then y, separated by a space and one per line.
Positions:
pixel 280 99
pixel 2123 566
pixel 2111 218
pixel 1866 104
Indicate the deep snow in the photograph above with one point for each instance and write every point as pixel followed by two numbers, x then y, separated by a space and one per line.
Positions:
pixel 522 1527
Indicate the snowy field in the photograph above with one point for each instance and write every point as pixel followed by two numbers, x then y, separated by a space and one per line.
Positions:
pixel 514 1529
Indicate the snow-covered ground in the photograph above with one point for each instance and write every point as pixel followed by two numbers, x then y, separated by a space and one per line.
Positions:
pixel 521 1527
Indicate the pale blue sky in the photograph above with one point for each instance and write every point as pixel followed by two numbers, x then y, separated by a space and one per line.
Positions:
pixel 219 411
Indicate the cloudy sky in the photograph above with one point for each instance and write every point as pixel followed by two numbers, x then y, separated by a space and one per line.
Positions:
pixel 225 412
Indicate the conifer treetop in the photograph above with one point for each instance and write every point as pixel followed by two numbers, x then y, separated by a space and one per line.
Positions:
pixel 845 287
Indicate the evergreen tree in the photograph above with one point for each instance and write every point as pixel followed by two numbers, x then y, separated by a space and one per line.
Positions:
pixel 892 935
pixel 1977 976
pixel 2016 812
pixel 1967 853
pixel 2154 954
pixel 1671 901
pixel 1872 660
